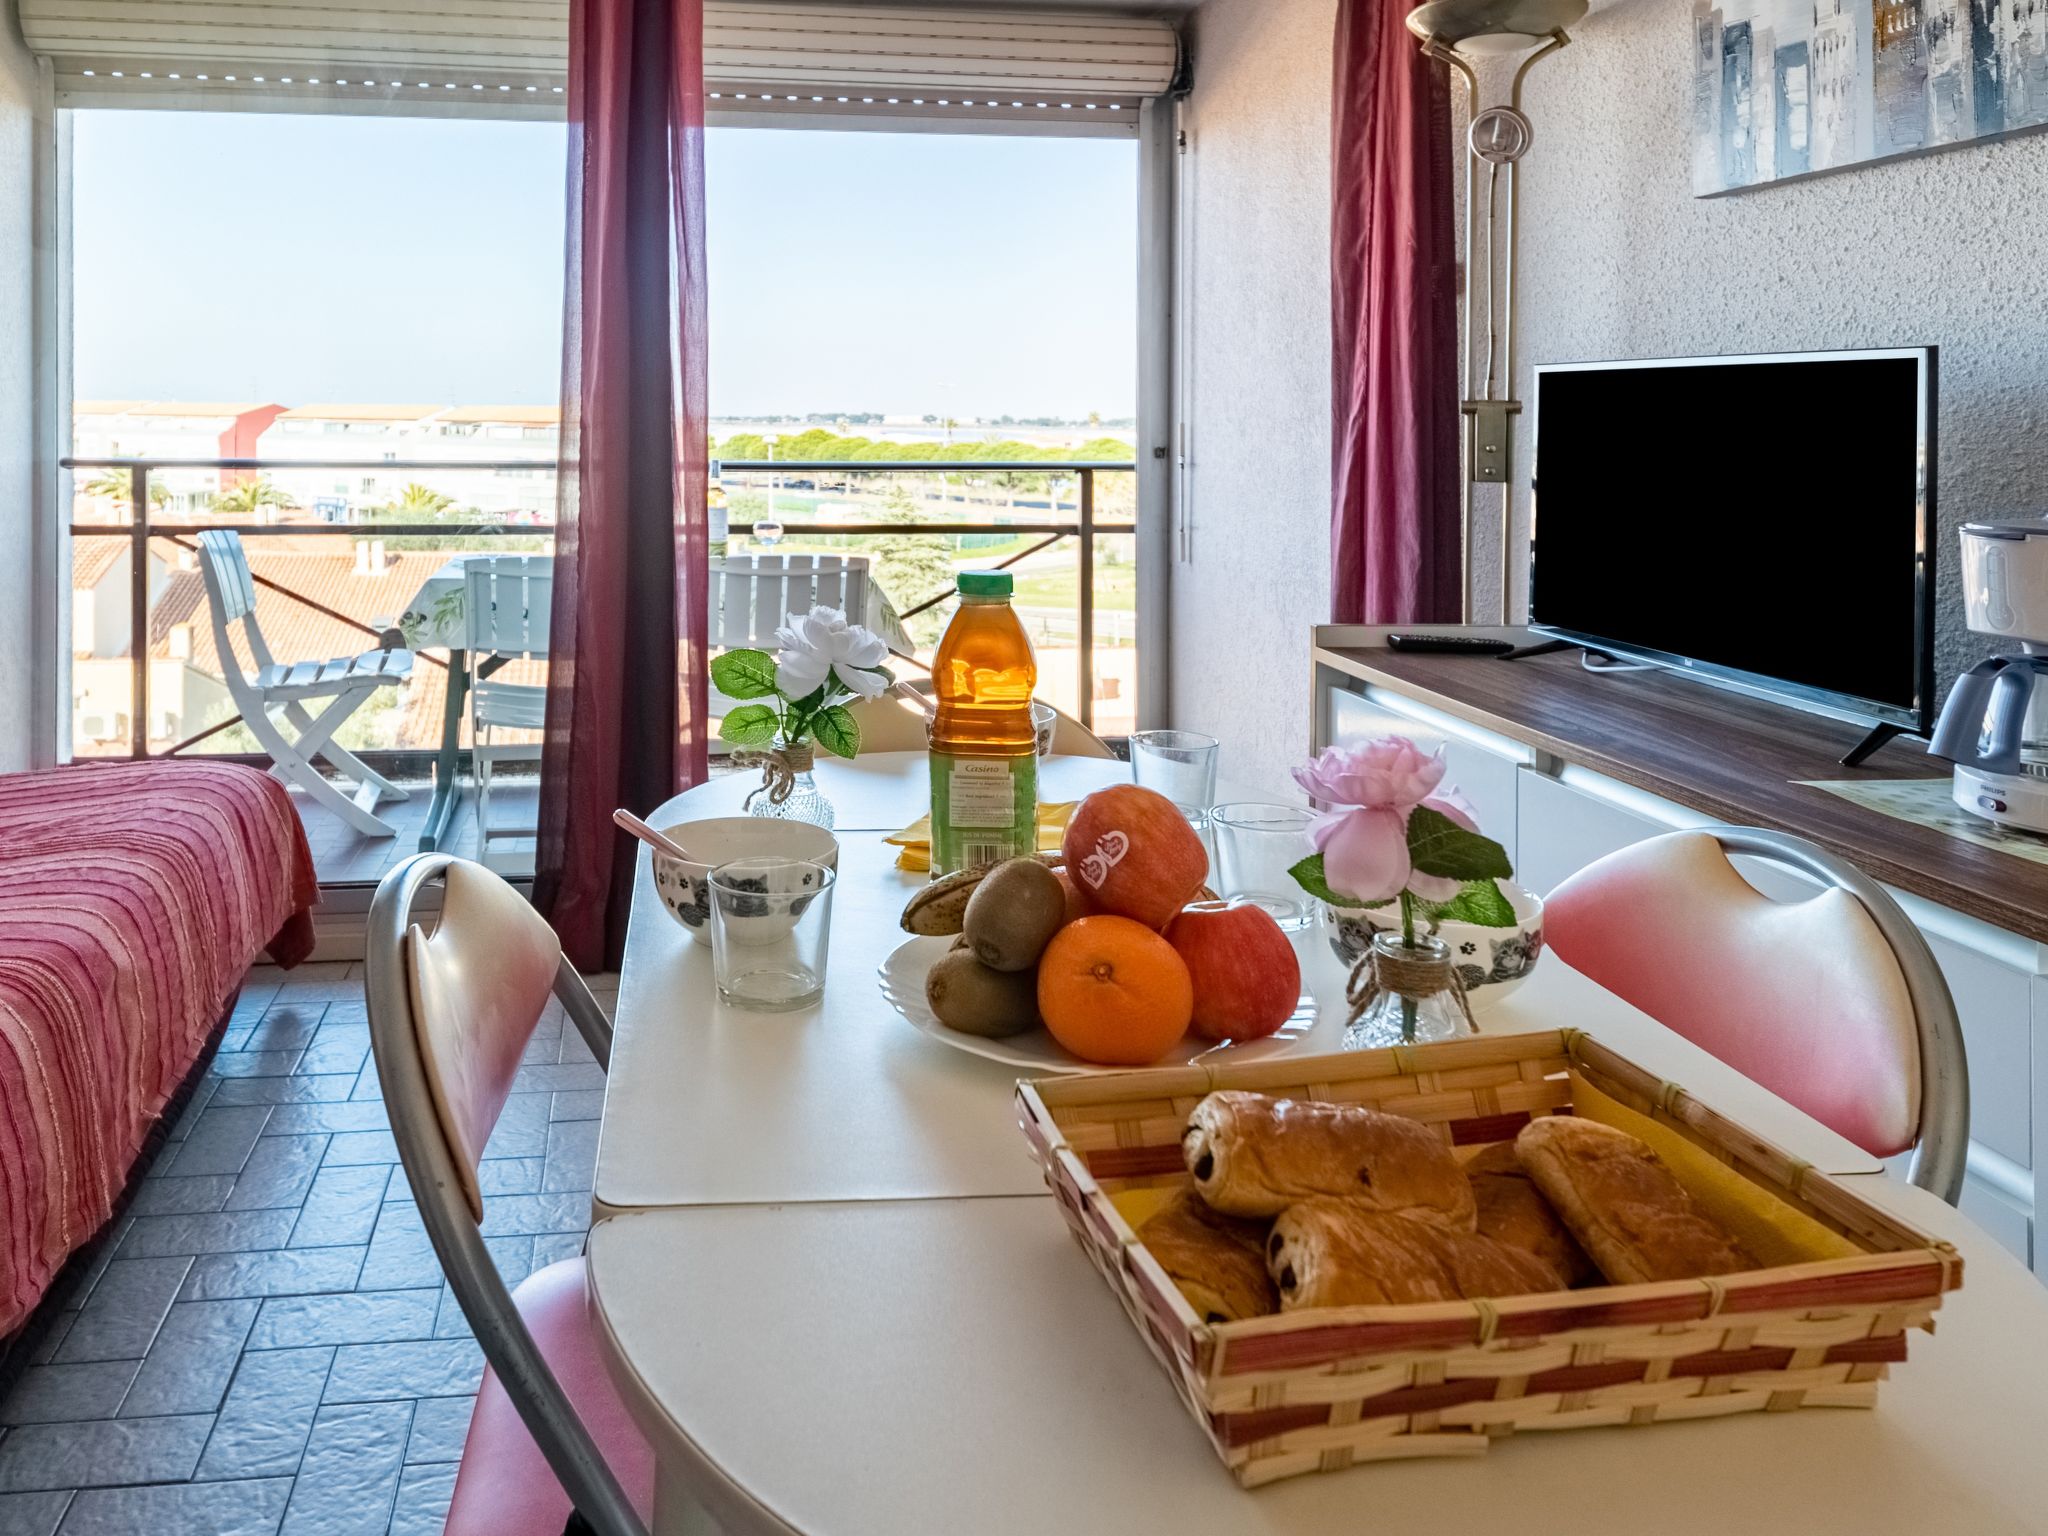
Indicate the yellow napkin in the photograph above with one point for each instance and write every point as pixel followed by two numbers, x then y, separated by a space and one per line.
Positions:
pixel 916 839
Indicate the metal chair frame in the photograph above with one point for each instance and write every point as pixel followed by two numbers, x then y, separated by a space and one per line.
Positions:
pixel 431 1171
pixel 1942 1144
pixel 506 612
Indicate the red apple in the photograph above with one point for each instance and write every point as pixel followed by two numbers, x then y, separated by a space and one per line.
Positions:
pixel 1132 853
pixel 1247 978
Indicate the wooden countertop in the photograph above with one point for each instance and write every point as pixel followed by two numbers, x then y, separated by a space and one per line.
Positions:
pixel 1734 758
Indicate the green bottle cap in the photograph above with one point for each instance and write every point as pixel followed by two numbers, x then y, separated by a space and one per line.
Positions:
pixel 985 583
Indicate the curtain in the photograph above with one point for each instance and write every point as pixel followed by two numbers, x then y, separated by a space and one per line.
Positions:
pixel 1394 534
pixel 626 676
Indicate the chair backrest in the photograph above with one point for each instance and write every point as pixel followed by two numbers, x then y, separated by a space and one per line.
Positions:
pixel 231 595
pixel 1834 1002
pixel 754 595
pixel 506 603
pixel 451 1013
pixel 894 724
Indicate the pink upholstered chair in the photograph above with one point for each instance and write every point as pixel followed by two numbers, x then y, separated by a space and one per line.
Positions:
pixel 452 1007
pixel 1834 1003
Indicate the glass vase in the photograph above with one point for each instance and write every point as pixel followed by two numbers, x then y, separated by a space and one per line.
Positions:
pixel 789 791
pixel 1406 994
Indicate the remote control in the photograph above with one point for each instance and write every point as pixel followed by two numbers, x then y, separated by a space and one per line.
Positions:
pixel 1450 645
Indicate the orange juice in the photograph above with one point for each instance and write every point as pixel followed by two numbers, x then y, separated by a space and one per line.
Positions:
pixel 984 761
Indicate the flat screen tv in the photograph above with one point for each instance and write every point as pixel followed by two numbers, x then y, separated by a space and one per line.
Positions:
pixel 1765 523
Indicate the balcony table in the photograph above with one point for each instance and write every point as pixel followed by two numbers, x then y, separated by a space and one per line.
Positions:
pixel 806 1222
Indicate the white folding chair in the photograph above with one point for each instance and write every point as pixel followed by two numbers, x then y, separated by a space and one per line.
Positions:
pixel 506 600
pixel 276 694
pixel 751 596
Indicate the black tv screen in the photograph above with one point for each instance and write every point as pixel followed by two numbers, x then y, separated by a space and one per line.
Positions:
pixel 1763 521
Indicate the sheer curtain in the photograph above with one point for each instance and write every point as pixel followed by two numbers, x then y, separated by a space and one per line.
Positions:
pixel 626 679
pixel 1394 536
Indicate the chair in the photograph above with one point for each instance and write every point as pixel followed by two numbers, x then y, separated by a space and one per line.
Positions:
pixel 893 723
pixel 1834 1002
pixel 451 1013
pixel 506 605
pixel 751 596
pixel 276 693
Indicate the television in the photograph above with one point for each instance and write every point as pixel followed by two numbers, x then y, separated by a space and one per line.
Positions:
pixel 1764 523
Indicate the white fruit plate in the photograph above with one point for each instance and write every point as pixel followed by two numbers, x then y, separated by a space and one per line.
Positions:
pixel 903 975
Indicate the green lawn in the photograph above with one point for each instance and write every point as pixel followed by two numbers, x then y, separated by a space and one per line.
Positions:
pixel 1115 587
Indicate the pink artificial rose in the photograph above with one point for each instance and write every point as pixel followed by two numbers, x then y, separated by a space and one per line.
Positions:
pixel 1364 838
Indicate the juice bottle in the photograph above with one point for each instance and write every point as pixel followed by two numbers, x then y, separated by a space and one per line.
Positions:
pixel 983 759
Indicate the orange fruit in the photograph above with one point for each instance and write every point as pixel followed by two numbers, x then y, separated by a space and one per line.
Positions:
pixel 1113 991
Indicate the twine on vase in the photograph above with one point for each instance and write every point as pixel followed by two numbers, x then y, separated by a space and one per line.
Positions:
pixel 779 767
pixel 1414 975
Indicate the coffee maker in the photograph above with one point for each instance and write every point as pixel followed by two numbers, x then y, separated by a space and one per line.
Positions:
pixel 1994 727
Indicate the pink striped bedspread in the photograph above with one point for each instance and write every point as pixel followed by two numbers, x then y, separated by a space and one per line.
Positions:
pixel 133 897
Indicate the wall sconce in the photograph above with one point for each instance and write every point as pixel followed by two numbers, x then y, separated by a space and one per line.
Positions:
pixel 1458 31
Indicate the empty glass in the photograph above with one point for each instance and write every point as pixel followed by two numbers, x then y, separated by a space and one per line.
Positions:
pixel 771 924
pixel 1045 720
pixel 1181 765
pixel 1256 844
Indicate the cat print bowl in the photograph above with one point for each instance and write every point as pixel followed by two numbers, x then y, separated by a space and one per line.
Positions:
pixel 683 884
pixel 1491 962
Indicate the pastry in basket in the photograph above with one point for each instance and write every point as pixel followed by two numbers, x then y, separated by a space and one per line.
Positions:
pixel 1336 1253
pixel 1512 1210
pixel 1622 1203
pixel 1251 1155
pixel 1218 1262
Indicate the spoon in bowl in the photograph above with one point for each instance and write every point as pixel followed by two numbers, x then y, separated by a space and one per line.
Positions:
pixel 650 837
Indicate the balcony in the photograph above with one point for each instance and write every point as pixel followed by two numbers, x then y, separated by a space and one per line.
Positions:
pixel 349 556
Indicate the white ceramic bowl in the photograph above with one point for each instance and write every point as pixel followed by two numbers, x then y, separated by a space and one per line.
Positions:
pixel 684 885
pixel 1491 962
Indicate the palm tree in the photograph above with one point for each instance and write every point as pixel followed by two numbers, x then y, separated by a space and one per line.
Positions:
pixel 252 496
pixel 114 484
pixel 418 500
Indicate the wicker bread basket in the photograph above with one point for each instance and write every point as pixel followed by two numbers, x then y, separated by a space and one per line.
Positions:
pixel 1315 1391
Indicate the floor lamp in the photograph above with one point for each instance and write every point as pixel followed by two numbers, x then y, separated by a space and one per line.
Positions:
pixel 1458 32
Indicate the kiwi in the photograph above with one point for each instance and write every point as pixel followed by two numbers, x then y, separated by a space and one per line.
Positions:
pixel 1013 914
pixel 968 996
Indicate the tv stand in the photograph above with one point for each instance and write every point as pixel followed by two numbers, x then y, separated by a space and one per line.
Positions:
pixel 1879 735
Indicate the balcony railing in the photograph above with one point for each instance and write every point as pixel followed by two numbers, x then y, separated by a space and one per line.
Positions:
pixel 1070 483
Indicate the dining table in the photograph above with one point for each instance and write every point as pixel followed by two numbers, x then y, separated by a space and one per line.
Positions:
pixel 838 1299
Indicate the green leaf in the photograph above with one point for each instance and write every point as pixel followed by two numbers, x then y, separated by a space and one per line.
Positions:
pixel 1308 874
pixel 743 674
pixel 751 725
pixel 808 704
pixel 837 731
pixel 1437 845
pixel 1479 902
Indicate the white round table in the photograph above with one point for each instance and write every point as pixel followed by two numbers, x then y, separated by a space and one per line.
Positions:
pixel 839 1300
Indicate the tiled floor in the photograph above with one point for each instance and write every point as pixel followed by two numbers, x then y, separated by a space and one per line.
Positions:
pixel 342 854
pixel 269 1347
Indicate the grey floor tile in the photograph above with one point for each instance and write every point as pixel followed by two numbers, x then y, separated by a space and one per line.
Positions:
pixel 109 1244
pixel 255 1063
pixel 263 1425
pixel 103 1453
pixel 279 1173
pixel 510 1175
pixel 522 1128
pixel 400 1257
pixel 282 1272
pixel 224 1232
pixel 192 1360
pixel 342 1206
pixel 320 982
pixel 286 1027
pixel 32 1514
pixel 179 1197
pixel 305 1119
pixel 339 1047
pixel 60 1325
pixel 284 1090
pixel 558 1079
pixel 450 1322
pixel 195 1108
pixel 572 1158
pixel 367 1086
pixel 360 1317
pixel 578 1104
pixel 222 1140
pixel 216 1509
pixel 575 1048
pixel 126 1308
pixel 349 1478
pixel 553 1247
pixel 355 1147
pixel 382 1373
pixel 49 1394
pixel 439 1426
pixel 529 1214
pixel 423 1495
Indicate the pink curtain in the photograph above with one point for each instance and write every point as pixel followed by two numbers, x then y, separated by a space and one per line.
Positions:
pixel 1394 555
pixel 626 678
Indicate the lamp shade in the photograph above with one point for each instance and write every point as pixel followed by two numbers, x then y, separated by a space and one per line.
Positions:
pixel 1493 26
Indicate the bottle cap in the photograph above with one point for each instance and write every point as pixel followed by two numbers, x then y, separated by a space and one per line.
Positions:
pixel 985 583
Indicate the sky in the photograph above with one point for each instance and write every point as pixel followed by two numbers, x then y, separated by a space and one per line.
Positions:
pixel 223 256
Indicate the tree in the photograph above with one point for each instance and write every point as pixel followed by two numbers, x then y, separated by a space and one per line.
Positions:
pixel 253 497
pixel 114 484
pixel 417 500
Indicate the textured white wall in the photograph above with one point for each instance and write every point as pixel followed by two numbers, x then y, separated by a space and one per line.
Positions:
pixel 1620 260
pixel 1257 355
pixel 18 571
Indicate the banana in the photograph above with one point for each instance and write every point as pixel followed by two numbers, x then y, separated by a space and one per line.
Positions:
pixel 941 907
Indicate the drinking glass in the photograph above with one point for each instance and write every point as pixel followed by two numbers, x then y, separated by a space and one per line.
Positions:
pixel 771 923
pixel 1181 765
pixel 1256 844
pixel 1045 720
